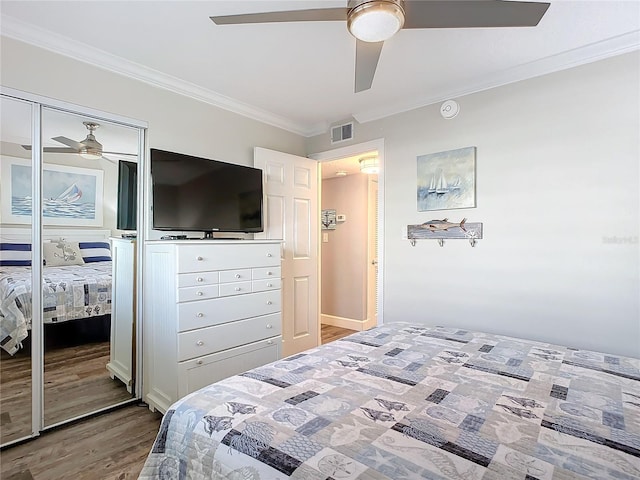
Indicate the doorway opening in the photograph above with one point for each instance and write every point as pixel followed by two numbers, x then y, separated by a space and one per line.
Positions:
pixel 349 273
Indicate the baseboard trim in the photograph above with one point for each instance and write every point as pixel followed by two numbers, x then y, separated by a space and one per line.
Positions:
pixel 343 322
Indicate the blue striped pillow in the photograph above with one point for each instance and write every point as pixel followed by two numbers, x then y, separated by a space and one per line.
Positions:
pixel 15 254
pixel 95 251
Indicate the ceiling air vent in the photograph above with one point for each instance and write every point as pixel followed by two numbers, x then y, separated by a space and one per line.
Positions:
pixel 340 133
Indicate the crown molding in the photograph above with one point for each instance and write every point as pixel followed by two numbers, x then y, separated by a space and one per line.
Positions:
pixel 610 47
pixel 59 44
pixel 24 32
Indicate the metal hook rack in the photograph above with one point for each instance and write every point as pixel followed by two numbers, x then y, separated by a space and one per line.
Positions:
pixel 442 230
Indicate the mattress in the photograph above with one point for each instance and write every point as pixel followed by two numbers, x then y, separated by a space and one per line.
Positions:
pixel 407 401
pixel 69 293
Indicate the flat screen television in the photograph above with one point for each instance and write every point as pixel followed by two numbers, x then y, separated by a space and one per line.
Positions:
pixel 197 194
pixel 126 218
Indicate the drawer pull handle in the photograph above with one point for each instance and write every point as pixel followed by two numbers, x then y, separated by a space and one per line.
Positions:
pixel 200 279
pixel 199 259
pixel 269 302
pixel 238 289
pixel 269 255
pixel 200 343
pixel 200 315
pixel 269 273
pixel 237 275
pixel 199 294
pixel 269 326
pixel 269 342
pixel 269 285
pixel 199 362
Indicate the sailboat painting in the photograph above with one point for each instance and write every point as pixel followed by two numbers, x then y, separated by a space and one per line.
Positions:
pixel 447 180
pixel 70 195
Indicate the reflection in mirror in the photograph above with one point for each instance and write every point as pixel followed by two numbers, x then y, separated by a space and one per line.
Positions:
pixel 15 273
pixel 89 273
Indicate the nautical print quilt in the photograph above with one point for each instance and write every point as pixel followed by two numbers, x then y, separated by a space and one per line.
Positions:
pixel 69 292
pixel 412 402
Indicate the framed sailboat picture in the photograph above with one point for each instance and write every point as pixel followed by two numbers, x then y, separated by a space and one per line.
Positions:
pixel 447 180
pixel 70 195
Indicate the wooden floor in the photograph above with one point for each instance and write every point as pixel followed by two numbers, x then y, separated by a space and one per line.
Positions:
pixel 109 446
pixel 112 445
pixel 331 333
pixel 76 382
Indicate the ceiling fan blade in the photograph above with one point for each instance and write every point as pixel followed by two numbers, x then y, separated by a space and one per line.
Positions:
pixel 67 141
pixel 121 154
pixel 367 55
pixel 312 15
pixel 54 149
pixel 472 13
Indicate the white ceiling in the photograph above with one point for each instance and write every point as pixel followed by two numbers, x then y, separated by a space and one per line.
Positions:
pixel 299 76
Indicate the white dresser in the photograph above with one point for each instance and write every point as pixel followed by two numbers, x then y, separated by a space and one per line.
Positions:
pixel 212 309
pixel 123 310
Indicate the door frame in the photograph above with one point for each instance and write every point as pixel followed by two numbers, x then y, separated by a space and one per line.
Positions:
pixel 350 151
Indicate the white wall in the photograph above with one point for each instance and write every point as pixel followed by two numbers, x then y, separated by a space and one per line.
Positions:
pixel 557 191
pixel 344 255
pixel 176 123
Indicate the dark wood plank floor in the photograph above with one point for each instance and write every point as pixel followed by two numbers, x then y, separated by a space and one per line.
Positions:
pixel 331 333
pixel 112 445
pixel 76 382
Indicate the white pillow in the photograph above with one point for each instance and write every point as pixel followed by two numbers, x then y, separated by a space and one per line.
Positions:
pixel 62 253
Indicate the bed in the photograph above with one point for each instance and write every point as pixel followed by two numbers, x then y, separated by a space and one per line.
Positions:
pixel 70 292
pixel 410 401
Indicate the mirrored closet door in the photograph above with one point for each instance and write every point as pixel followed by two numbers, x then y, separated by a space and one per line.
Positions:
pixel 86 344
pixel 81 332
pixel 16 274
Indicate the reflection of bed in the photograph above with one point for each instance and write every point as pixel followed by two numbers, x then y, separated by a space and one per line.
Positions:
pixel 70 292
pixel 406 401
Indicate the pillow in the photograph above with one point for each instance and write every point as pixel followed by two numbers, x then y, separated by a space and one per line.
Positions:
pixel 61 253
pixel 95 251
pixel 15 254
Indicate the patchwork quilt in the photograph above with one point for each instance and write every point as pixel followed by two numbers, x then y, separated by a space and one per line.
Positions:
pixel 404 401
pixel 69 292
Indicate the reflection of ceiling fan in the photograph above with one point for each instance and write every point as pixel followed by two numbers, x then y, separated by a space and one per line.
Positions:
pixel 88 148
pixel 374 21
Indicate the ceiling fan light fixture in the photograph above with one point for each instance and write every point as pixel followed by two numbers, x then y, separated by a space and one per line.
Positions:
pixel 369 165
pixel 91 153
pixel 376 21
pixel 91 148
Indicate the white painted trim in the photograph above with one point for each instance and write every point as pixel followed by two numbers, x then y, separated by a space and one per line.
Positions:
pixel 61 45
pixel 343 322
pixel 351 151
pixel 611 47
pixel 72 108
pixel 16 29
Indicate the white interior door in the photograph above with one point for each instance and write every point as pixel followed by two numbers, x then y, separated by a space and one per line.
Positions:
pixel 291 215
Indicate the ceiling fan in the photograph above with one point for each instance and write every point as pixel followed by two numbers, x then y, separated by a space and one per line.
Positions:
pixel 88 148
pixel 372 22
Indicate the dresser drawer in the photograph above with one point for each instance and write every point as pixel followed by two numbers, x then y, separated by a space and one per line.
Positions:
pixel 215 311
pixel 202 371
pixel 266 272
pixel 206 257
pixel 196 279
pixel 263 285
pixel 238 288
pixel 204 341
pixel 203 292
pixel 227 276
